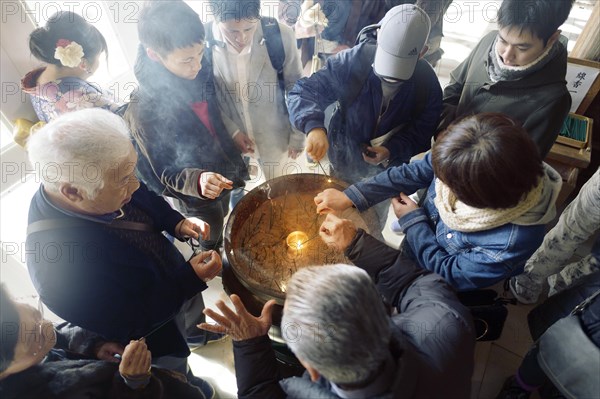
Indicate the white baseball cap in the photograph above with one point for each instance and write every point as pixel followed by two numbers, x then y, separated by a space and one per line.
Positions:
pixel 402 36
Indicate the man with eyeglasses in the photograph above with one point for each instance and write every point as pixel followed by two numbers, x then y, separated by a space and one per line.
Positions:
pixel 42 360
pixel 95 247
pixel 380 119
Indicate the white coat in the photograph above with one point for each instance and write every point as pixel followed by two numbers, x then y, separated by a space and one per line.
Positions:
pixel 268 116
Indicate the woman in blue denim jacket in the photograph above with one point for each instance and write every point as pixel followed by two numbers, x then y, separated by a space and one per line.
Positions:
pixel 489 198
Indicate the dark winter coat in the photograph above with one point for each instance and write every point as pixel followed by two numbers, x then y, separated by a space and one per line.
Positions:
pixel 120 284
pixel 539 101
pixel 310 97
pixel 173 144
pixel 432 335
pixel 70 375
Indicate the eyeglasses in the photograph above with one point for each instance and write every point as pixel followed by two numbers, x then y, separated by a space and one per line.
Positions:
pixel 34 338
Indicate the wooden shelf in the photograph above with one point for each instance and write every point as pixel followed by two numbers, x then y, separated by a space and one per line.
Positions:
pixel 577 157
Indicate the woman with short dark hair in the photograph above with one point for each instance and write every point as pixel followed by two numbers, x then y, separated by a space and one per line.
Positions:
pixel 488 200
pixel 475 158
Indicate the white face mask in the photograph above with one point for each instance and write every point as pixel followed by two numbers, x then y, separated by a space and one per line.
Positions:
pixel 389 88
pixel 390 81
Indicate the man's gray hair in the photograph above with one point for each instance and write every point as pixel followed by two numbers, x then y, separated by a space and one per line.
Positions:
pixel 79 148
pixel 335 320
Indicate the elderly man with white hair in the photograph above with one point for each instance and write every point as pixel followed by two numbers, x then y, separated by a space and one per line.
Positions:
pixel 335 322
pixel 95 249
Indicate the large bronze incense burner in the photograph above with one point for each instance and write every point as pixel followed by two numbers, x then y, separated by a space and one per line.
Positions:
pixel 273 232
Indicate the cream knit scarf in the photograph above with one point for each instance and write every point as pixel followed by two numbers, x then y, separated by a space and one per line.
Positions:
pixel 462 217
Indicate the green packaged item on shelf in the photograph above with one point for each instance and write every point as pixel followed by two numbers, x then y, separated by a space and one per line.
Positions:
pixel 574 128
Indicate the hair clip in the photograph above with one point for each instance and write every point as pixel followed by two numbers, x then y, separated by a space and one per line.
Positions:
pixel 69 53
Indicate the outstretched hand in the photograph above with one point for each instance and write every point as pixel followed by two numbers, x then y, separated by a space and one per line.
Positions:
pixel 192 227
pixel 239 324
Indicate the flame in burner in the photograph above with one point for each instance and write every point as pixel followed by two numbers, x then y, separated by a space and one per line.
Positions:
pixel 296 239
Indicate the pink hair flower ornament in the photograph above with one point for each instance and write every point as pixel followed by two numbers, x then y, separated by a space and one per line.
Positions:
pixel 69 53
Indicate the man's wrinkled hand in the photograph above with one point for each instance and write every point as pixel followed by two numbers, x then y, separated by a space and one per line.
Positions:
pixel 207 265
pixel 332 200
pixel 194 228
pixel 239 324
pixel 212 184
pixel 107 351
pixel 136 360
pixel 337 233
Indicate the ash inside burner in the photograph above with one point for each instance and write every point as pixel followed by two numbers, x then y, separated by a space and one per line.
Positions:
pixel 259 245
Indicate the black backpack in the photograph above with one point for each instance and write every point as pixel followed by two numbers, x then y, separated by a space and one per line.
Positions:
pixel 272 39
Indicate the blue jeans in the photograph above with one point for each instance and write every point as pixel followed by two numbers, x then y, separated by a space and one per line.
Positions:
pixel 553 310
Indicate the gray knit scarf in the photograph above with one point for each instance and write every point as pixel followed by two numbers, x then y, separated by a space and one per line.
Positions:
pixel 497 71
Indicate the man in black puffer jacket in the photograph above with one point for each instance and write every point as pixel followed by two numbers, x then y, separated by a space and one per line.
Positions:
pixel 337 326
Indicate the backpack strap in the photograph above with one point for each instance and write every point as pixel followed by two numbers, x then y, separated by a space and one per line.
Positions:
pixel 209 38
pixel 54 224
pixel 359 73
pixel 274 43
pixel 421 84
pixel 210 41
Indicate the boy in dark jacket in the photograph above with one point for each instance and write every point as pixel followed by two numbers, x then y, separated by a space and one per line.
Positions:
pixel 518 70
pixel 337 326
pixel 185 151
